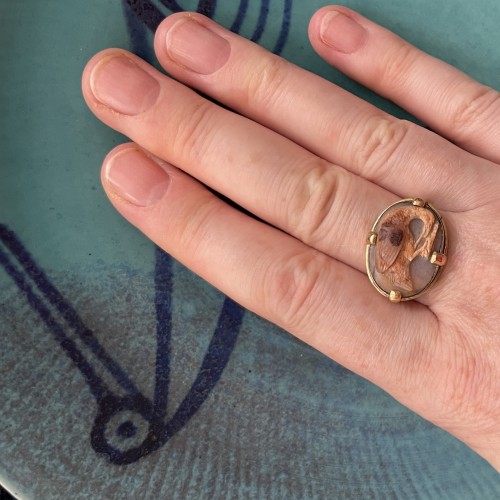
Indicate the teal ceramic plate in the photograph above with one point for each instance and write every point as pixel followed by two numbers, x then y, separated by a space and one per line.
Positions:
pixel 125 376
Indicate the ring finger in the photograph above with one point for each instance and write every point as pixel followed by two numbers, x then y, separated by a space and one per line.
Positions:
pixel 319 299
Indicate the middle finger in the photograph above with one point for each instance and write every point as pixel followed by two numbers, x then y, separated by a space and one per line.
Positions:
pixel 325 119
pixel 321 204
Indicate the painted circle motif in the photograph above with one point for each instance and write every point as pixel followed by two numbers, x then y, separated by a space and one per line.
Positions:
pixel 406 249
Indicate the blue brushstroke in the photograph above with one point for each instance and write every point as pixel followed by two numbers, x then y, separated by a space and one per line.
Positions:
pixel 163 301
pixel 98 389
pixel 55 298
pixel 240 16
pixel 285 27
pixel 261 22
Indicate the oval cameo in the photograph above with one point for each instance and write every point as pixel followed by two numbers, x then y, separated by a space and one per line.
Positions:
pixel 406 249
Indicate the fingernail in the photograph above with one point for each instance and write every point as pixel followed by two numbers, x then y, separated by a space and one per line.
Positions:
pixel 136 178
pixel 342 33
pixel 121 84
pixel 197 48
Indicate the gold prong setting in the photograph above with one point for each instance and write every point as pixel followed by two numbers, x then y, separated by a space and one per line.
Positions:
pixel 418 202
pixel 372 238
pixel 439 259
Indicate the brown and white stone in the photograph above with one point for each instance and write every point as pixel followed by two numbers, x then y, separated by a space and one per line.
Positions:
pixel 406 237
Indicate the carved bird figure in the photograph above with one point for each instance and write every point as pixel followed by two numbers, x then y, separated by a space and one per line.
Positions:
pixel 397 246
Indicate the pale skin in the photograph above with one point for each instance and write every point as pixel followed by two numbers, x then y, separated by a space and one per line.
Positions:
pixel 318 165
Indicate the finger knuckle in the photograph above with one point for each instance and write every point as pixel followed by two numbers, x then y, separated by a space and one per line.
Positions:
pixel 189 135
pixel 379 144
pixel 264 81
pixel 294 290
pixel 194 232
pixel 477 107
pixel 312 201
pixel 393 70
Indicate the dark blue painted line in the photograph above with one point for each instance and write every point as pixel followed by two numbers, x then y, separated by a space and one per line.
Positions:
pixel 151 15
pixel 240 16
pixel 138 33
pixel 148 12
pixel 172 5
pixel 97 387
pixel 261 22
pixel 163 302
pixel 285 27
pixel 214 363
pixel 207 7
pixel 55 298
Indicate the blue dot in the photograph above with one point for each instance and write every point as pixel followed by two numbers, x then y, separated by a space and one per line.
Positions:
pixel 126 430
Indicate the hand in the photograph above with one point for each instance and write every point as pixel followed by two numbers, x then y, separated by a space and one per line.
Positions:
pixel 318 165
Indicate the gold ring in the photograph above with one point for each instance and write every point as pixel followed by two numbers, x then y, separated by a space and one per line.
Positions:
pixel 406 249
